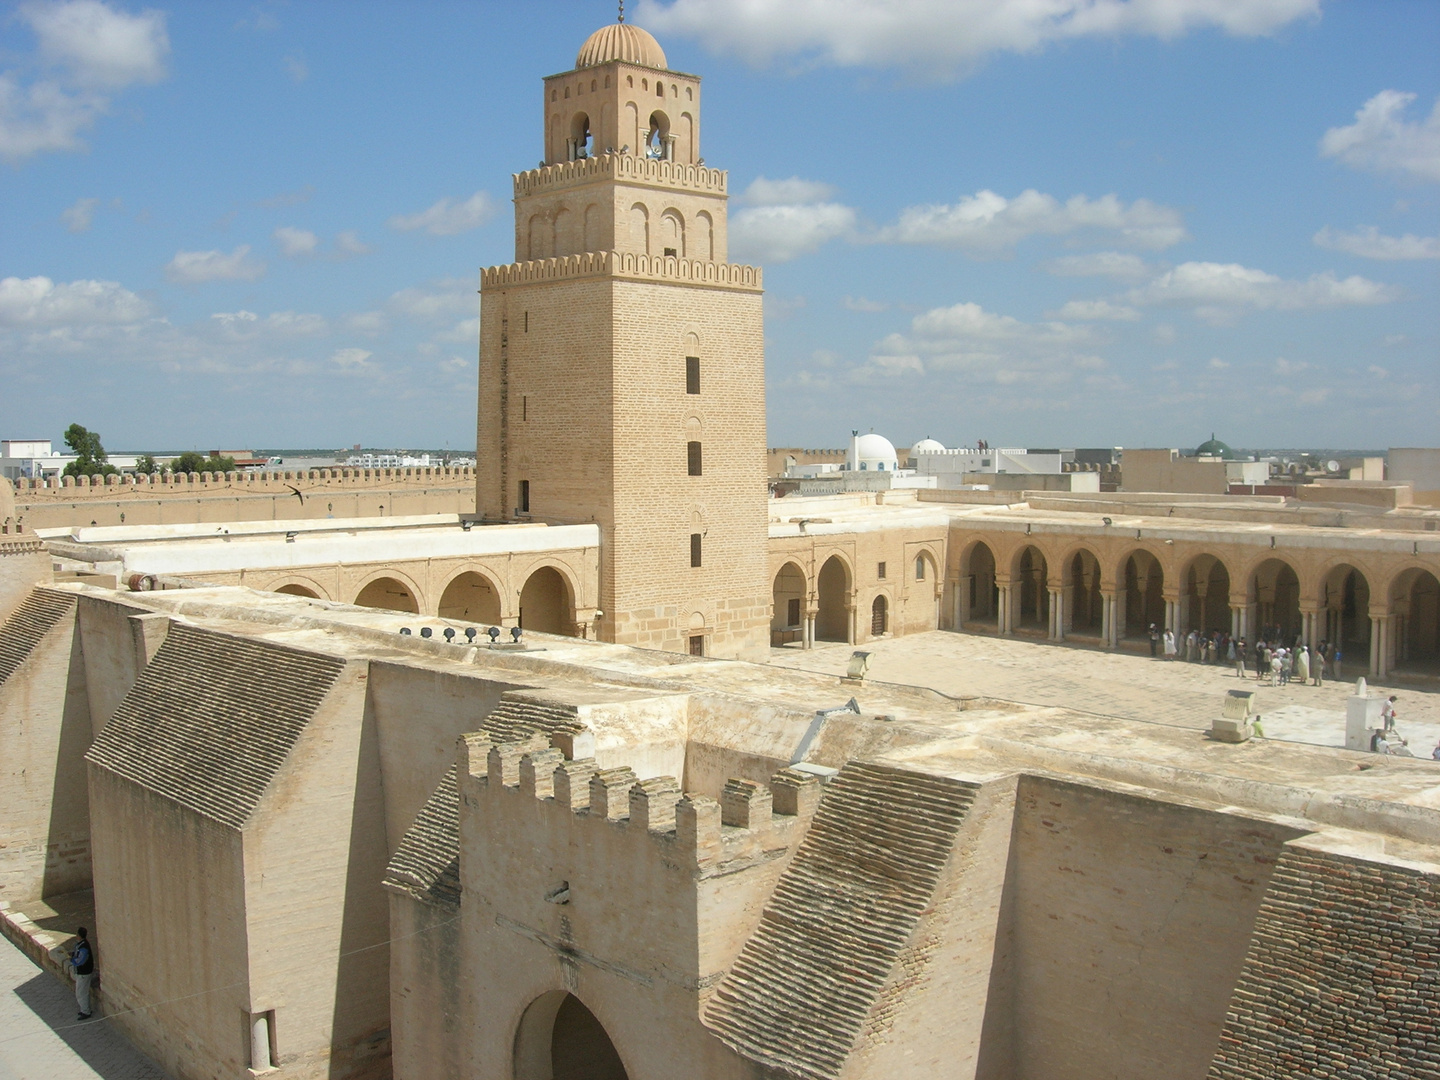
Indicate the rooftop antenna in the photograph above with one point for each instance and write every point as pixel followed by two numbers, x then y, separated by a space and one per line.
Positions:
pixel 622 10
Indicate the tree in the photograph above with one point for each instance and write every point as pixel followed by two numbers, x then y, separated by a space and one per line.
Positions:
pixel 146 464
pixel 90 456
pixel 192 461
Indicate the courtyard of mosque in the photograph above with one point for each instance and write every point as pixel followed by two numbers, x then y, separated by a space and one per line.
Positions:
pixel 1127 685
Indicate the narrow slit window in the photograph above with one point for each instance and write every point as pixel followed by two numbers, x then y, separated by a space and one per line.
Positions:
pixel 692 453
pixel 920 568
pixel 695 549
pixel 523 504
pixel 692 374
pixel 880 571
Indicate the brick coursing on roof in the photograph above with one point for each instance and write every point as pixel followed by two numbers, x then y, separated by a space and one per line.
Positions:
pixel 426 865
pixel 212 719
pixel 841 915
pixel 36 616
pixel 1342 979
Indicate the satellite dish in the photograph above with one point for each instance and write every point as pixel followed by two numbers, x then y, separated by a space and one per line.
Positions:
pixel 1332 466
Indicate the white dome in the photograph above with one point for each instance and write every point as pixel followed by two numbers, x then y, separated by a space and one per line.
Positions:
pixel 927 446
pixel 873 452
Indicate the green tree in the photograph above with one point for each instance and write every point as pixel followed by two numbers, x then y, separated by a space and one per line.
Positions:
pixel 146 464
pixel 192 461
pixel 90 456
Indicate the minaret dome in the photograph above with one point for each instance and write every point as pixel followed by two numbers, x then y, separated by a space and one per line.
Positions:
pixel 624 42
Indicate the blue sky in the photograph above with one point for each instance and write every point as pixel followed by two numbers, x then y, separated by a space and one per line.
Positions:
pixel 1083 222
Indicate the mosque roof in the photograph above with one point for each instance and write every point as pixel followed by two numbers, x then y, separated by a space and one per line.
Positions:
pixel 927 445
pixel 1213 447
pixel 621 41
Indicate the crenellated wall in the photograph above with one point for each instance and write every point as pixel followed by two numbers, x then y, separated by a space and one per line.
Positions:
pixel 183 498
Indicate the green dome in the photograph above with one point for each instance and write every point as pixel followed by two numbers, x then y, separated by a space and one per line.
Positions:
pixel 1213 447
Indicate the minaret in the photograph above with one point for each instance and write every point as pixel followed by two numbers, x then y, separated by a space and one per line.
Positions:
pixel 622 371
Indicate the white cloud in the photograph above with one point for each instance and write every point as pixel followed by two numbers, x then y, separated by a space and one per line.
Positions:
pixel 38 301
pixel 983 345
pixel 765 192
pixel 443 299
pixel 99 46
pixel 295 242
pixel 1216 364
pixel 773 234
pixel 1381 139
pixel 1218 291
pixel 859 303
pixel 197 267
pixel 1378 372
pixel 1119 265
pixel 86 50
pixel 943 37
pixel 784 219
pixel 351 359
pixel 349 244
pixel 989 224
pixel 296 68
pixel 246 325
pixel 448 217
pixel 78 218
pixel 1290 367
pixel 1096 309
pixel 1369 243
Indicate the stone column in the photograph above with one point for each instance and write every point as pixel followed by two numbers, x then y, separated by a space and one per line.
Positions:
pixel 1002 616
pixel 1107 619
pixel 1057 609
pixel 260 1042
pixel 1377 624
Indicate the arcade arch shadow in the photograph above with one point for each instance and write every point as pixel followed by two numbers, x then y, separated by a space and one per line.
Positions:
pixel 546 603
pixel 471 597
pixel 389 594
pixel 832 619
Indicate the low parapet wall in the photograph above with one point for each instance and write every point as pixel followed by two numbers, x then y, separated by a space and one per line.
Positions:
pixel 170 498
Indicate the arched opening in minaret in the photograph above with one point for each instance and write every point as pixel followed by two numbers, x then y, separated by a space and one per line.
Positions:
pixel 580 140
pixel 560 1039
pixel 658 143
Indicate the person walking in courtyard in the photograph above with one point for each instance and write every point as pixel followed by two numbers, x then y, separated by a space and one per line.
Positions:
pixel 1276 666
pixel 1154 640
pixel 82 960
pixel 1169 644
pixel 1317 663
pixel 1238 648
pixel 1302 665
pixel 1387 713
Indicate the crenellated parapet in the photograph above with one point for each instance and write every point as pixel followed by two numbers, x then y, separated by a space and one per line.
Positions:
pixel 625 168
pixel 668 269
pixel 749 823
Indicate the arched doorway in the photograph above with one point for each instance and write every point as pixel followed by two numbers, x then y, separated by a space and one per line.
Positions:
pixel 560 1039
pixel 1206 597
pixel 388 594
pixel 1032 612
pixel 1345 607
pixel 1085 607
pixel 832 620
pixel 1415 623
pixel 298 590
pixel 545 604
pixel 1275 594
pixel 787 612
pixel 980 596
pixel 1144 594
pixel 879 616
pixel 470 597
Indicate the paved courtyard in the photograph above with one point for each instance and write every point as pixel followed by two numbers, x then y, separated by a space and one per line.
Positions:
pixel 1120 684
pixel 40 1038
